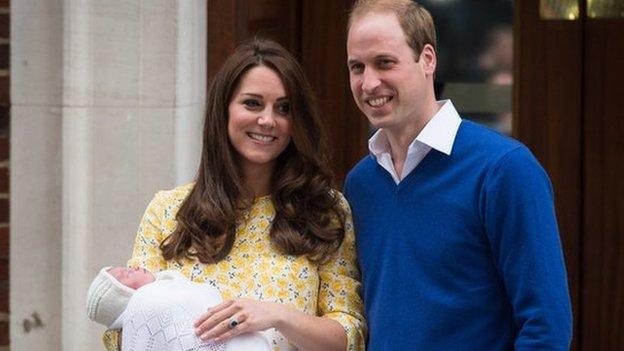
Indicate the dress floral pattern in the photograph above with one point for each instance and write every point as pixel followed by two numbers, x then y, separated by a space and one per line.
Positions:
pixel 256 269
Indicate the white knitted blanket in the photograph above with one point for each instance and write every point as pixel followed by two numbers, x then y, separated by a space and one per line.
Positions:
pixel 160 317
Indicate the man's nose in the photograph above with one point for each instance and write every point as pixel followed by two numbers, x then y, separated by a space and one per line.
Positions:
pixel 370 80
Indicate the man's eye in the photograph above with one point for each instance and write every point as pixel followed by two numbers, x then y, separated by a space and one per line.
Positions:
pixel 357 67
pixel 385 63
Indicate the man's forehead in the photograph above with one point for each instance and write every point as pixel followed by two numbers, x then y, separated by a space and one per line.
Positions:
pixel 376 34
pixel 376 22
pixel 377 48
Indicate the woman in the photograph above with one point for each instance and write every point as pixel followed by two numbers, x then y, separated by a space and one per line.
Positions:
pixel 262 222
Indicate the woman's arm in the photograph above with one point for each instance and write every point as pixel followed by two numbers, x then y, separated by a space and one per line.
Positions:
pixel 310 332
pixel 146 252
pixel 339 292
pixel 302 330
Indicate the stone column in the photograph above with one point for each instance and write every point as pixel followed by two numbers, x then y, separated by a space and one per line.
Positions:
pixel 108 99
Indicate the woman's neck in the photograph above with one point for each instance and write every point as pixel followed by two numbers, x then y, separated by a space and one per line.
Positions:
pixel 258 178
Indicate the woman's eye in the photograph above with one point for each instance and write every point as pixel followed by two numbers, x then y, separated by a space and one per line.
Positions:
pixel 250 103
pixel 283 109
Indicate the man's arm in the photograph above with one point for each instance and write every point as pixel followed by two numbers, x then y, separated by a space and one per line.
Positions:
pixel 519 216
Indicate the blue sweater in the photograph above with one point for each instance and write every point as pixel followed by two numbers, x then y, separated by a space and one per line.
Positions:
pixel 464 253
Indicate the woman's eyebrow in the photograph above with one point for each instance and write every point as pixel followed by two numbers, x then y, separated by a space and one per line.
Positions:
pixel 253 95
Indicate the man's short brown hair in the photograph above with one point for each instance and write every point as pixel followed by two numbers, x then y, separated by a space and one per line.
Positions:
pixel 415 20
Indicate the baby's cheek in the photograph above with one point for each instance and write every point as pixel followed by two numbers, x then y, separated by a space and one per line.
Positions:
pixel 127 282
pixel 143 280
pixel 116 273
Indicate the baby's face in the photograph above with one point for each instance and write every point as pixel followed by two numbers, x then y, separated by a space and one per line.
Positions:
pixel 133 278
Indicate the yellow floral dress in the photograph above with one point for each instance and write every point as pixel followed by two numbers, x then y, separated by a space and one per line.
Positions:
pixel 256 269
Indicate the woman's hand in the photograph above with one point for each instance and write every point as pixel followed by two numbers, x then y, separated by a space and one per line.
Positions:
pixel 239 316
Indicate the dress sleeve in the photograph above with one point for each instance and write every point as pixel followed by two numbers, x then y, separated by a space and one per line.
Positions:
pixel 339 294
pixel 146 252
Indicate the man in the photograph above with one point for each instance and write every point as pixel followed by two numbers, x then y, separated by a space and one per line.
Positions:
pixel 456 232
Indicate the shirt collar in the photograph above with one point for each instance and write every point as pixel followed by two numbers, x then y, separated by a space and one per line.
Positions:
pixel 439 133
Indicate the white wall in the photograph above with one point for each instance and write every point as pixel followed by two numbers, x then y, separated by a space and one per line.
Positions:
pixel 108 98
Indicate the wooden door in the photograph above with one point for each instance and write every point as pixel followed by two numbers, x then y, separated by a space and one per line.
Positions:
pixel 314 31
pixel 602 270
pixel 568 74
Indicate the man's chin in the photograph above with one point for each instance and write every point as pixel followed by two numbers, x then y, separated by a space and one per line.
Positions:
pixel 378 122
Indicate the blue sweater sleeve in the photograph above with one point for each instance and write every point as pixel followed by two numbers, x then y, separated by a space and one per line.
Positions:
pixel 520 223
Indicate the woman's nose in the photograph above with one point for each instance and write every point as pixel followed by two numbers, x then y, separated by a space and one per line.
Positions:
pixel 266 119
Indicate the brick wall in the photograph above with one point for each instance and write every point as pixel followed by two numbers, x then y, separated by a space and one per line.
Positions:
pixel 4 171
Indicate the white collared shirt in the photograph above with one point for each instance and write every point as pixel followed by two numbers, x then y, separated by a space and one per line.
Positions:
pixel 439 133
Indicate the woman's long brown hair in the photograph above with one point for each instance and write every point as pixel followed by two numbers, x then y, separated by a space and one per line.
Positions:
pixel 309 219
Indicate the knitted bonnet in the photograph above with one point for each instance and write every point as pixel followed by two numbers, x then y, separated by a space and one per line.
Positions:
pixel 107 298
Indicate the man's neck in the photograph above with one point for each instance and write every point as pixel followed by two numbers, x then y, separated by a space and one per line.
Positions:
pixel 400 138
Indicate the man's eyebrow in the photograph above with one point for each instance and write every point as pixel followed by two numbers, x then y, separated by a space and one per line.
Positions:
pixel 377 57
pixel 384 56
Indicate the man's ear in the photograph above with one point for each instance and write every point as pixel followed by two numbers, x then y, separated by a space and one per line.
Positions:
pixel 428 59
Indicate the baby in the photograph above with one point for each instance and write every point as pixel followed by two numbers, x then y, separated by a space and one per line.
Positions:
pixel 157 311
